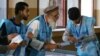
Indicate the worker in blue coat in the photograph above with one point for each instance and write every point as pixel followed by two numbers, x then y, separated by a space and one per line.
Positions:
pixel 80 31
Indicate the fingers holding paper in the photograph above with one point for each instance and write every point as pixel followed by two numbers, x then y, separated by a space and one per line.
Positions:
pixel 11 36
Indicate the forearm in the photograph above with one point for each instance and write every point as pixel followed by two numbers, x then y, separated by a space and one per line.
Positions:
pixel 36 44
pixel 89 38
pixel 65 40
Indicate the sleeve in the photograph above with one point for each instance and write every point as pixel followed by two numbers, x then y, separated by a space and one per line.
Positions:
pixel 33 27
pixel 67 33
pixel 3 35
pixel 91 32
pixel 90 26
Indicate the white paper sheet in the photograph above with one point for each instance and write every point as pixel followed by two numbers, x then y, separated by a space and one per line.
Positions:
pixel 18 39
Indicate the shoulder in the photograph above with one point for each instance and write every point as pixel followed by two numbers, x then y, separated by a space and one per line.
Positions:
pixel 36 22
pixel 8 22
pixel 69 23
pixel 2 22
pixel 89 20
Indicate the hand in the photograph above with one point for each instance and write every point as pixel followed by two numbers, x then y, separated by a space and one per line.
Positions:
pixel 72 39
pixel 11 36
pixel 12 46
pixel 50 46
pixel 23 43
pixel 30 35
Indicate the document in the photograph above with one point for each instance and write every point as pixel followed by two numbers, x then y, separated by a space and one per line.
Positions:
pixel 18 39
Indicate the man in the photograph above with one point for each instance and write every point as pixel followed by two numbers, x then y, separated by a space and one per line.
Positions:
pixel 80 31
pixel 14 25
pixel 4 46
pixel 41 29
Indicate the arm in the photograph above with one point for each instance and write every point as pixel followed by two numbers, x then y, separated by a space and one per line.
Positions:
pixel 4 48
pixel 33 28
pixel 3 34
pixel 91 33
pixel 4 39
pixel 68 37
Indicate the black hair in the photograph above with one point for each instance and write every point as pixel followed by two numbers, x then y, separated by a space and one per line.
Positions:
pixel 74 13
pixel 20 6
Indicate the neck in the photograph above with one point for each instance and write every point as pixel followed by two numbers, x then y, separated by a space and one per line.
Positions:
pixel 17 19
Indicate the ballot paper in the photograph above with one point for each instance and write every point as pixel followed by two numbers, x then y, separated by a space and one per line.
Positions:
pixel 18 39
pixel 36 44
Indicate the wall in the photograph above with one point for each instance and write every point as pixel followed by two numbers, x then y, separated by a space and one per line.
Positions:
pixel 97 11
pixel 87 7
pixel 3 9
pixel 42 6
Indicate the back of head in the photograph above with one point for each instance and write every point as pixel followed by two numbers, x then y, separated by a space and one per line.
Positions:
pixel 20 6
pixel 74 13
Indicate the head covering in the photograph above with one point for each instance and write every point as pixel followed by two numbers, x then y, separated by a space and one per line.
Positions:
pixel 50 8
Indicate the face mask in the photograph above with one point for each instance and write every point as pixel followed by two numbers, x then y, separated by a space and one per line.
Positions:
pixel 52 23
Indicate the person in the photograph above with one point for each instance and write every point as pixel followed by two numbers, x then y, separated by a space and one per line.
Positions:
pixel 80 31
pixel 14 25
pixel 40 32
pixel 4 46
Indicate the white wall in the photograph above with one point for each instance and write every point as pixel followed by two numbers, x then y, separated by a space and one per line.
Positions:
pixel 72 3
pixel 87 7
pixel 42 5
pixel 3 9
